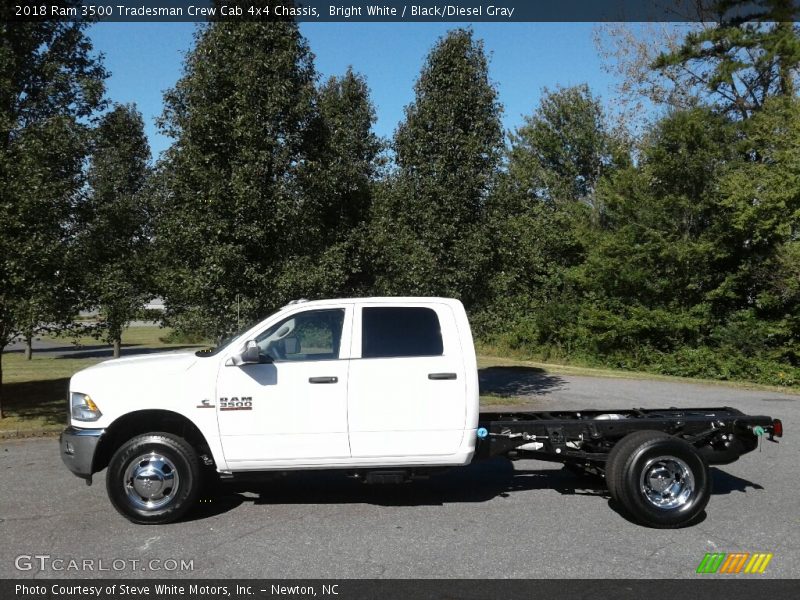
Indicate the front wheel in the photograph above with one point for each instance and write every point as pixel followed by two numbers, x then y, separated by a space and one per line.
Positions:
pixel 153 478
pixel 661 480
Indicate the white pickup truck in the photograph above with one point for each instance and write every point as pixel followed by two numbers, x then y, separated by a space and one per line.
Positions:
pixel 385 388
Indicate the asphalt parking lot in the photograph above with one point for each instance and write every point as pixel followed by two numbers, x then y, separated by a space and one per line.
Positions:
pixel 492 519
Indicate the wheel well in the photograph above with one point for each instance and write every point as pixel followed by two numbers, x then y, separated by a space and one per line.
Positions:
pixel 145 421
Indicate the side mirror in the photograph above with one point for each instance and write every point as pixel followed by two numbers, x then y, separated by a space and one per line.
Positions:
pixel 250 355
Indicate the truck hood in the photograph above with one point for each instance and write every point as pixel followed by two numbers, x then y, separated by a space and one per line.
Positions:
pixel 135 367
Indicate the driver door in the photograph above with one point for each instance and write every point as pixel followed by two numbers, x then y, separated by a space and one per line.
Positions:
pixel 291 407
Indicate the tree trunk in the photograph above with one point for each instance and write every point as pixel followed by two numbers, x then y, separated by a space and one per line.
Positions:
pixel 28 347
pixel 117 347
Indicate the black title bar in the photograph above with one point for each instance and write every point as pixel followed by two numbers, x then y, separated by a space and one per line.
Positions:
pixel 398 589
pixel 388 10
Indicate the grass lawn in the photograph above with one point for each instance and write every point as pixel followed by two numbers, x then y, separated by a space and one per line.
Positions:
pixel 35 391
pixel 493 401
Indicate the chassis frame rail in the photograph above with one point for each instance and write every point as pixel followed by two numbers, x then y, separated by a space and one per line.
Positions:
pixel 721 435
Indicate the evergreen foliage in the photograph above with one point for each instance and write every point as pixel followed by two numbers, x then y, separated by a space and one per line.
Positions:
pixel 429 235
pixel 236 221
pixel 114 223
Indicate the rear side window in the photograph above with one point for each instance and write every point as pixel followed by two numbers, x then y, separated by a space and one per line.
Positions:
pixel 400 331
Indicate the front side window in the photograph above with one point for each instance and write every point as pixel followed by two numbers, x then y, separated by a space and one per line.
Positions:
pixel 311 335
pixel 390 332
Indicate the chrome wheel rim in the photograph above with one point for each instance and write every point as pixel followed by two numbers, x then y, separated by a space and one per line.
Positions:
pixel 667 483
pixel 151 481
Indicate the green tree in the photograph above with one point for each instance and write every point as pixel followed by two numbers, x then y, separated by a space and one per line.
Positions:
pixel 761 195
pixel 352 151
pixel 541 213
pixel 651 267
pixel 564 148
pixel 50 84
pixel 344 176
pixel 743 60
pixel 430 221
pixel 114 218
pixel 237 212
pixel 693 270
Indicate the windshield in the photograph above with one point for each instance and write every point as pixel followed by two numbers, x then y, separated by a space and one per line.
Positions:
pixel 227 341
pixel 205 352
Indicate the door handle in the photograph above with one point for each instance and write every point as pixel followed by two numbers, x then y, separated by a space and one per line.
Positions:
pixel 323 379
pixel 442 376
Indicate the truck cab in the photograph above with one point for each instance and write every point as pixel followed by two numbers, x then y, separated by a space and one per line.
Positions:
pixel 348 383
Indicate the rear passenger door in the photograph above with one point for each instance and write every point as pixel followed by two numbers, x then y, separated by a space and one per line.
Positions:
pixel 407 388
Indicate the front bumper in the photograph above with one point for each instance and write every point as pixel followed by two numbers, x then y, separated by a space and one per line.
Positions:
pixel 77 450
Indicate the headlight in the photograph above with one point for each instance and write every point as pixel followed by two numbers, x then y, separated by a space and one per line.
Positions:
pixel 83 408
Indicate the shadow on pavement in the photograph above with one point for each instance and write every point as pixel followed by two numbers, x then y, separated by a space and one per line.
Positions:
pixel 479 482
pixel 725 483
pixel 517 381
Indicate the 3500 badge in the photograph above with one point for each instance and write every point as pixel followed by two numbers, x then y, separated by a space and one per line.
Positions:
pixel 234 403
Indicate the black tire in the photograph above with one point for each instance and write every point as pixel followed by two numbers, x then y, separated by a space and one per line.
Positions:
pixel 623 447
pixel 167 476
pixel 660 480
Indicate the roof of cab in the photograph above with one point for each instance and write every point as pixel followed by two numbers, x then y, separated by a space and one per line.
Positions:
pixel 376 300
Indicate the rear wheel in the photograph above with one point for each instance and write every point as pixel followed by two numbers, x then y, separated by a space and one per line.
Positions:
pixel 154 478
pixel 660 480
pixel 624 446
